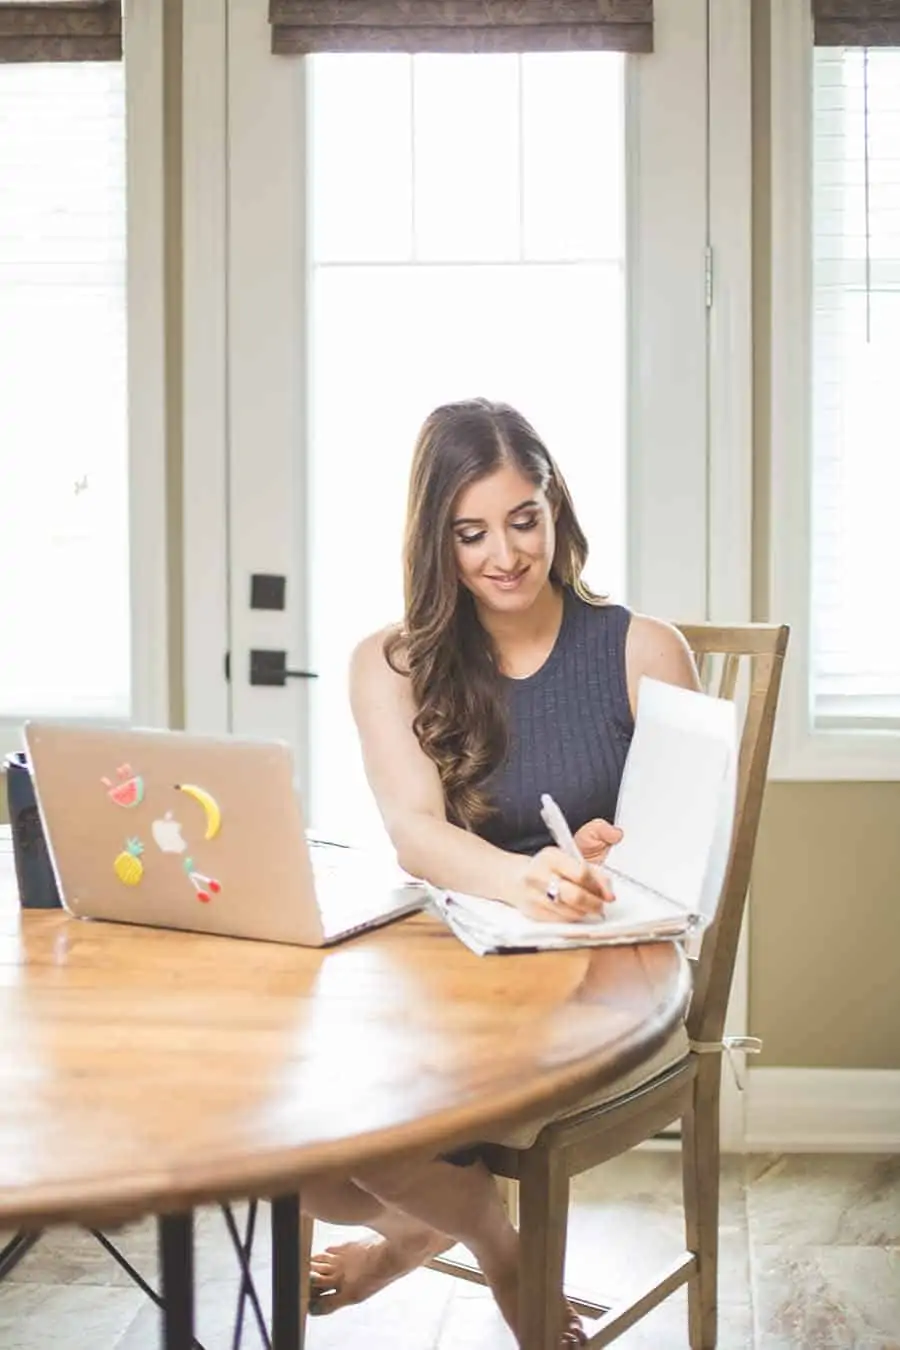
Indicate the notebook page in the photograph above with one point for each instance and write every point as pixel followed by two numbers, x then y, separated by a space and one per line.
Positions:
pixel 498 926
pixel 677 795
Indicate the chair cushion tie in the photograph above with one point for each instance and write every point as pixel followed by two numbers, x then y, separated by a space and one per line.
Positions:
pixel 751 1045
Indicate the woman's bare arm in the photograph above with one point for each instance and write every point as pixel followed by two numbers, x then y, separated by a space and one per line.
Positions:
pixel 408 791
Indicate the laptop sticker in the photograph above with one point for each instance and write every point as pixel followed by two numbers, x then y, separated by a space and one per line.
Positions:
pixel 128 866
pixel 209 804
pixel 167 834
pixel 128 791
pixel 206 887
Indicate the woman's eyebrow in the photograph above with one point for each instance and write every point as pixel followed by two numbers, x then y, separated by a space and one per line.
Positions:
pixel 474 520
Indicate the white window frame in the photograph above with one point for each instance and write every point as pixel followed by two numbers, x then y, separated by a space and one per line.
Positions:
pixel 730 413
pixel 149 591
pixel 227 352
pixel 801 751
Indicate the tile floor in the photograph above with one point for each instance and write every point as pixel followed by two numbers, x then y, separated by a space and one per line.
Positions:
pixel 810 1260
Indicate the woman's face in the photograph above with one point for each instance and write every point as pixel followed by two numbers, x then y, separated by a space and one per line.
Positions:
pixel 504 538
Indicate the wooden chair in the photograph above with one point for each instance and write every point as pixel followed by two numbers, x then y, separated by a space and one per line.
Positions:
pixel 734 662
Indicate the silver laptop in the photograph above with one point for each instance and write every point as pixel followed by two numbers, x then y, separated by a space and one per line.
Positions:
pixel 200 833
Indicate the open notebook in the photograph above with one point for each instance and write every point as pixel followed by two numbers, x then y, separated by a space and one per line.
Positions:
pixel 676 810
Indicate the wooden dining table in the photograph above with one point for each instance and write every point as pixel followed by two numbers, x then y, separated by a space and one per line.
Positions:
pixel 148 1072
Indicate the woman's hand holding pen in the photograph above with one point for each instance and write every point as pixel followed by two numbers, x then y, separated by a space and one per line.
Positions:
pixel 564 883
pixel 559 889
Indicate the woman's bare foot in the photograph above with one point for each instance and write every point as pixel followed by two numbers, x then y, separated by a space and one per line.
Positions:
pixel 354 1271
pixel 573 1327
pixel 504 1285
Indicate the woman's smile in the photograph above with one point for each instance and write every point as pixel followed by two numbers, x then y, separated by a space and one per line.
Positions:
pixel 508 581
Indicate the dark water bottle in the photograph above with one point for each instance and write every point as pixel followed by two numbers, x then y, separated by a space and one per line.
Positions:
pixel 34 871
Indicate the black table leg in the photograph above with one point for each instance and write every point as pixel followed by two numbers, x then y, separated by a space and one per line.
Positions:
pixel 176 1262
pixel 15 1249
pixel 287 1332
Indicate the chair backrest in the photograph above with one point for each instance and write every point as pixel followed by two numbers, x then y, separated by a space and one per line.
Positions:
pixel 740 662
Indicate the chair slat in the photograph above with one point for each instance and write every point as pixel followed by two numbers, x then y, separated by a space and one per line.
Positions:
pixel 730 669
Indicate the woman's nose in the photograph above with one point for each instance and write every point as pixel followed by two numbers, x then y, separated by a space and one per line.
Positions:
pixel 503 555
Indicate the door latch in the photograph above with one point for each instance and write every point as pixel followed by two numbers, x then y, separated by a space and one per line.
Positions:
pixel 270 668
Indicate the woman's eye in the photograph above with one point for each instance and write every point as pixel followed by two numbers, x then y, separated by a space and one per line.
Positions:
pixel 471 538
pixel 528 524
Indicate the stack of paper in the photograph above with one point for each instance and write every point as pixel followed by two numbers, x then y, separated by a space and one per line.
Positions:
pixel 676 811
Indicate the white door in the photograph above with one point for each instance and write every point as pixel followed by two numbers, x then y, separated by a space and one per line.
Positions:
pixel 366 237
pixel 403 231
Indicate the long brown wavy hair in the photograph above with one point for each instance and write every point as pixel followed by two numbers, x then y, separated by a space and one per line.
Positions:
pixel 451 660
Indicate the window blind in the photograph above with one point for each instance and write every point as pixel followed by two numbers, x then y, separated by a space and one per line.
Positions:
pixel 856 23
pixel 855 656
pixel 60 30
pixel 303 26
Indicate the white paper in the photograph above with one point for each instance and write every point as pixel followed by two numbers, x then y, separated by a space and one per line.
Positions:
pixel 676 801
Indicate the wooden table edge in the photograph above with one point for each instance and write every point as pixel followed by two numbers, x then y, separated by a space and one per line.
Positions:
pixel 282 1170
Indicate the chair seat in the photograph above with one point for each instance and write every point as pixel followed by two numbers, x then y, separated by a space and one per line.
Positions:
pixel 672 1051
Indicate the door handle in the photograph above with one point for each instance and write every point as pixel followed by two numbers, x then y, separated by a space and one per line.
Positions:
pixel 270 668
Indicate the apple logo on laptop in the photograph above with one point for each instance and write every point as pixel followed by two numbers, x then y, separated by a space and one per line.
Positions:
pixel 167 834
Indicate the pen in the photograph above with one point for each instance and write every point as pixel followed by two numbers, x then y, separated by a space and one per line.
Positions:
pixel 556 823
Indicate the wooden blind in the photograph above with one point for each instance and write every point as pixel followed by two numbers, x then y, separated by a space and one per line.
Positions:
pixel 304 26
pixel 60 30
pixel 856 23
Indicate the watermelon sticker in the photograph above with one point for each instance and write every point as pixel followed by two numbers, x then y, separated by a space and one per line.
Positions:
pixel 128 790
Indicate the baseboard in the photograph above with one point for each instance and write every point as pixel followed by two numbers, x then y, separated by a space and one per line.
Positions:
pixel 823 1111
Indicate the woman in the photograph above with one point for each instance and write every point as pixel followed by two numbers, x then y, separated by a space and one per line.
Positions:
pixel 507 679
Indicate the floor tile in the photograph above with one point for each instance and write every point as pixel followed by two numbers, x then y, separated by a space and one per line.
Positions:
pixel 72 1256
pixel 78 1317
pixel 214 1320
pixel 821 1199
pixel 473 1322
pixel 627 1223
pixel 827 1298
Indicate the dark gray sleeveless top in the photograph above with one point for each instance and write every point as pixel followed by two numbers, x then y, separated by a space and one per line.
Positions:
pixel 570 727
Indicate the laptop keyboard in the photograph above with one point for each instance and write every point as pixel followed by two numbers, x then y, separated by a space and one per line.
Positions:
pixel 354 886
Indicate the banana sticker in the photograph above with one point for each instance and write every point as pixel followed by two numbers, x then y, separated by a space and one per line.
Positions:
pixel 209 804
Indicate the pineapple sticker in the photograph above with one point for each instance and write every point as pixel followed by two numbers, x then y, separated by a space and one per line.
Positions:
pixel 128 866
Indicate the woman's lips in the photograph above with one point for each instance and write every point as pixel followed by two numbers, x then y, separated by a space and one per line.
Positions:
pixel 508 583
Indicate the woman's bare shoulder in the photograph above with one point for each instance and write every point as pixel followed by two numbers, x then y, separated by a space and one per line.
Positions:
pixel 369 664
pixel 656 648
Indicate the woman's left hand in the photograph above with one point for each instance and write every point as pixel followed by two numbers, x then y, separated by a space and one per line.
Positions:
pixel 596 838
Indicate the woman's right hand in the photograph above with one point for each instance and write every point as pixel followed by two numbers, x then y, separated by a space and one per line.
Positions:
pixel 582 891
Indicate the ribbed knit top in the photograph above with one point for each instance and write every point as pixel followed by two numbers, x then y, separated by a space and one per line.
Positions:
pixel 570 727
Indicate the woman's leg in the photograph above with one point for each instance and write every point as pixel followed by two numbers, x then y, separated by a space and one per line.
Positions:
pixel 464 1203
pixel 352 1271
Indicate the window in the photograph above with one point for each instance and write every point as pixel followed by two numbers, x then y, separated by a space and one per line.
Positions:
pixel 855 662
pixel 64 510
pixel 468 237
pixel 835 327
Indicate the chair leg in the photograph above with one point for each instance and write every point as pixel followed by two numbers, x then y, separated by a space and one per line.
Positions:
pixel 543 1222
pixel 700 1163
pixel 306 1241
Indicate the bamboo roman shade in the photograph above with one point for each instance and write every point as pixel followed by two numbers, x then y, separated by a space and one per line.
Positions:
pixel 857 23
pixel 303 26
pixel 60 30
